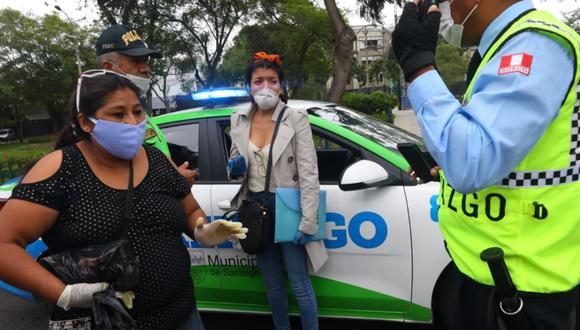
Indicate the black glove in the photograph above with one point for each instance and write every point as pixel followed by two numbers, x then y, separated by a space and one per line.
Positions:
pixel 415 38
pixel 424 8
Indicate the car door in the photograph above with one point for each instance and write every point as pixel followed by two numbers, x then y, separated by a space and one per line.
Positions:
pixel 368 237
pixel 369 269
pixel 242 286
pixel 187 142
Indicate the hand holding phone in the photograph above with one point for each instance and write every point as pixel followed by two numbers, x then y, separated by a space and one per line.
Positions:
pixel 420 162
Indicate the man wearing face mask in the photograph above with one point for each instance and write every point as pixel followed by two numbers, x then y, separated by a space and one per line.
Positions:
pixel 509 153
pixel 122 50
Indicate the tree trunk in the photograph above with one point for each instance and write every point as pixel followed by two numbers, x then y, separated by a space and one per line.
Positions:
pixel 19 124
pixel 344 37
pixel 199 79
pixel 56 117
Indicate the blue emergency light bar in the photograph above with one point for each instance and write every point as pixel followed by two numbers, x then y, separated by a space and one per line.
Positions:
pixel 212 98
pixel 219 93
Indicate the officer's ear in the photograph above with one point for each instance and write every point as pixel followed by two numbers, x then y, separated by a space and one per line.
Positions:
pixel 107 65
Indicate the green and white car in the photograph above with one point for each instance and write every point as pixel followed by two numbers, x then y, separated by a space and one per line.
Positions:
pixel 386 254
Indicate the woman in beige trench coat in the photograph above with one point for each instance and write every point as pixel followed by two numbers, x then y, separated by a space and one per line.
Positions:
pixel 294 164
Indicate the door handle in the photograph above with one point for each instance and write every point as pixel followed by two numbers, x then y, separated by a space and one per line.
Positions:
pixel 224 205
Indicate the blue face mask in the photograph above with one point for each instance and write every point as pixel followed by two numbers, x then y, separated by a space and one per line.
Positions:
pixel 120 140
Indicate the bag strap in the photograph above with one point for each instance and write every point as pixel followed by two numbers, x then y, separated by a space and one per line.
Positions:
pixel 230 214
pixel 269 168
pixel 128 215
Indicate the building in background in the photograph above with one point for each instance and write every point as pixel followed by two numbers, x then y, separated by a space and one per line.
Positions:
pixel 372 44
pixel 37 123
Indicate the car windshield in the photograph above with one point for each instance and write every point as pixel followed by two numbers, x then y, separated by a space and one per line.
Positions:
pixel 382 133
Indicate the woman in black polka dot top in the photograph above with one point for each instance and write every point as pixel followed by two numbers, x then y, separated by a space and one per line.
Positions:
pixel 76 196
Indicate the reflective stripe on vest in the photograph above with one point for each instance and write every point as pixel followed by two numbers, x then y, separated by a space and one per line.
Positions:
pixel 534 214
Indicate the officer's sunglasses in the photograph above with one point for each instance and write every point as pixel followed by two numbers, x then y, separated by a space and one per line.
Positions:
pixel 91 74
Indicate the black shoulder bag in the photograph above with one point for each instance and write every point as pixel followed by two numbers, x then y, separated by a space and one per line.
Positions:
pixel 255 215
pixel 113 262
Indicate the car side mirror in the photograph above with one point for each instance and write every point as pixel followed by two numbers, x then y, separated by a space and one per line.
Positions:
pixel 363 174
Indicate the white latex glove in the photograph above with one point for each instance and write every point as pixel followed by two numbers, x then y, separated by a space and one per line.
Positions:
pixel 80 295
pixel 218 231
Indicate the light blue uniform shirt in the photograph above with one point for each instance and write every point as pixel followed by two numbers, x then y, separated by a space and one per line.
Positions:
pixel 480 143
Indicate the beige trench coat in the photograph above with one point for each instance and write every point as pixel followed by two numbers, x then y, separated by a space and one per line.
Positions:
pixel 294 164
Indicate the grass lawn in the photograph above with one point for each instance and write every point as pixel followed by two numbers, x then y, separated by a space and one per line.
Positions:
pixel 26 150
pixel 14 155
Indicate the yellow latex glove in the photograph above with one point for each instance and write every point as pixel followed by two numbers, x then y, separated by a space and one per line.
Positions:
pixel 126 297
pixel 218 231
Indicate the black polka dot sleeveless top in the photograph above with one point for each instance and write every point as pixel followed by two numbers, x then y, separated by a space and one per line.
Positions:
pixel 91 212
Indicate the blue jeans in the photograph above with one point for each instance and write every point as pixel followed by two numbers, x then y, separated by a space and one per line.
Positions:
pixel 194 322
pixel 292 258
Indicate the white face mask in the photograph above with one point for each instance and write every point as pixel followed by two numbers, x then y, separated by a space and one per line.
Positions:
pixel 266 98
pixel 451 32
pixel 142 83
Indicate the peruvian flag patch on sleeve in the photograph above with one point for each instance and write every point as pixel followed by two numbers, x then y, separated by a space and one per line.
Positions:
pixel 516 63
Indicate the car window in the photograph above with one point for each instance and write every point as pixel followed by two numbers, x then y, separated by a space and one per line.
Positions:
pixel 382 133
pixel 183 142
pixel 333 157
pixel 227 137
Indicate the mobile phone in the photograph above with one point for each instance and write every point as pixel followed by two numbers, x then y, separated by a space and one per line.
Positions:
pixel 421 162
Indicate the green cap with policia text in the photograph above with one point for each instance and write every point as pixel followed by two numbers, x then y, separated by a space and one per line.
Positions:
pixel 119 38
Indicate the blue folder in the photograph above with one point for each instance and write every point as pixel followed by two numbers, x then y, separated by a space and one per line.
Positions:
pixel 289 215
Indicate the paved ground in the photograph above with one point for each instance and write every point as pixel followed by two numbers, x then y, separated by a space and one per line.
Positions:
pixel 19 314
pixel 406 120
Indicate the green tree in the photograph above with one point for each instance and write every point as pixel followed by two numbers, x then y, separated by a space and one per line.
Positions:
pixel 296 30
pixel 344 38
pixel 206 27
pixel 356 70
pixel 393 70
pixel 144 15
pixel 192 35
pixel 451 63
pixel 377 68
pixel 573 19
pixel 38 67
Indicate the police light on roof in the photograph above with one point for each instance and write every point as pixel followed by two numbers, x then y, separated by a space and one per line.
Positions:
pixel 219 93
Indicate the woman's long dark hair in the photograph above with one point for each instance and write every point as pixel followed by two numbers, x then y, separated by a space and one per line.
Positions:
pixel 94 92
pixel 262 63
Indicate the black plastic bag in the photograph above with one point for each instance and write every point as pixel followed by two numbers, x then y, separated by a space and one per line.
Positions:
pixel 109 312
pixel 112 262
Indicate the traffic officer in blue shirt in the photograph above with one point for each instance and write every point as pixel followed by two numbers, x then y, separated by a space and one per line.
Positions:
pixel 509 154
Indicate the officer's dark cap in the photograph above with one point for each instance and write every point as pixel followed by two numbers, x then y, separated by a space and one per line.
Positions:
pixel 119 38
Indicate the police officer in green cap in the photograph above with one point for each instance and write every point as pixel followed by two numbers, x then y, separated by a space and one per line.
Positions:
pixel 122 50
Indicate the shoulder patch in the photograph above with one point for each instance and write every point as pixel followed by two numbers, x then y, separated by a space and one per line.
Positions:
pixel 516 63
pixel 149 133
